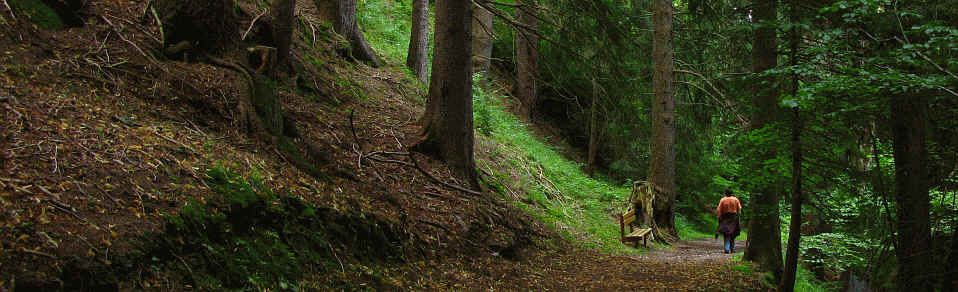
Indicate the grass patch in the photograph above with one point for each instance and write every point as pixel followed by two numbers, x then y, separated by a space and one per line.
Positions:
pixel 548 186
pixel 704 227
pixel 750 269
pixel 387 25
pixel 805 281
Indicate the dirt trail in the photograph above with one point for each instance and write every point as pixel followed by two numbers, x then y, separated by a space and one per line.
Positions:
pixel 698 251
pixel 694 265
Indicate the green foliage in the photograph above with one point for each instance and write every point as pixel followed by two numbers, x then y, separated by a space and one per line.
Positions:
pixel 39 13
pixel 553 189
pixel 805 281
pixel 836 251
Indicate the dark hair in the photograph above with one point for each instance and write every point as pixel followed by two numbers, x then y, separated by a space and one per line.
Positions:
pixel 728 192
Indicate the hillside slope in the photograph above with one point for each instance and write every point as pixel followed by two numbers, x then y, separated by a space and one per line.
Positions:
pixel 124 167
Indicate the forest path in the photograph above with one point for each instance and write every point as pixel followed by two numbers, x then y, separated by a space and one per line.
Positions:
pixel 691 265
pixel 702 250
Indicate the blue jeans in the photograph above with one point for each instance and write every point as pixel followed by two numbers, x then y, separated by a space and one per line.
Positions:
pixel 729 242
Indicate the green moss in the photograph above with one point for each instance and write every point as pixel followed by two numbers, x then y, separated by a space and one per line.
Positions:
pixel 267 105
pixel 250 238
pixel 38 12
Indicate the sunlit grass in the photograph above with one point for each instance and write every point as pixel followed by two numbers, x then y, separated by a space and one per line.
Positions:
pixel 552 188
pixel 387 25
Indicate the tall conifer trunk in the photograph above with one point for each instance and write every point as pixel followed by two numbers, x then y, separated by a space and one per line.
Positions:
pixel 527 54
pixel 284 32
pixel 764 240
pixel 447 130
pixel 593 129
pixel 662 168
pixel 909 115
pixel 346 26
pixel 419 40
pixel 795 226
pixel 482 40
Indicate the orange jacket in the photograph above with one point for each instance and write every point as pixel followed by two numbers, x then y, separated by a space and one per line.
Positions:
pixel 728 205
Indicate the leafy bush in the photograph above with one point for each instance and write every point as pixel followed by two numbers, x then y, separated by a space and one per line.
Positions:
pixel 835 252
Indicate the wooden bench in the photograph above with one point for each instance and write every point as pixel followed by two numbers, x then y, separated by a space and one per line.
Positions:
pixel 634 236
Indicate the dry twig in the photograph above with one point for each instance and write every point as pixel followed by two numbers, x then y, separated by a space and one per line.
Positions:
pixel 251 23
pixel 36 252
pixel 176 142
pixel 416 164
pixel 9 9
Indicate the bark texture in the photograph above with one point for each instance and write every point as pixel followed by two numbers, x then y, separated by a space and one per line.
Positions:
pixel 447 130
pixel 419 40
pixel 795 226
pixel 949 282
pixel 527 55
pixel 283 31
pixel 346 26
pixel 482 37
pixel 662 166
pixel 764 239
pixel 593 129
pixel 909 115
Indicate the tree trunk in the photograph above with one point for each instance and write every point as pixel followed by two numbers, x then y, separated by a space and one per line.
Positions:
pixel 283 32
pixel 949 282
pixel 795 226
pixel 764 240
pixel 346 26
pixel 328 10
pixel 419 40
pixel 481 40
pixel 527 54
pixel 447 130
pixel 909 115
pixel 593 129
pixel 662 166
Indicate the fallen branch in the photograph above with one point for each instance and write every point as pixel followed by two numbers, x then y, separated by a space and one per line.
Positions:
pixel 333 251
pixel 19 115
pixel 148 56
pixel 416 164
pixel 159 23
pixel 36 252
pixel 9 9
pixel 374 158
pixel 176 142
pixel 265 10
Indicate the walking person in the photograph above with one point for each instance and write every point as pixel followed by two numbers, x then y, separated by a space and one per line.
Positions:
pixel 729 225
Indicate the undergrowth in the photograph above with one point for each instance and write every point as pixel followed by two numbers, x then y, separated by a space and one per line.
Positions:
pixel 550 187
pixel 38 12
pixel 250 238
pixel 804 279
